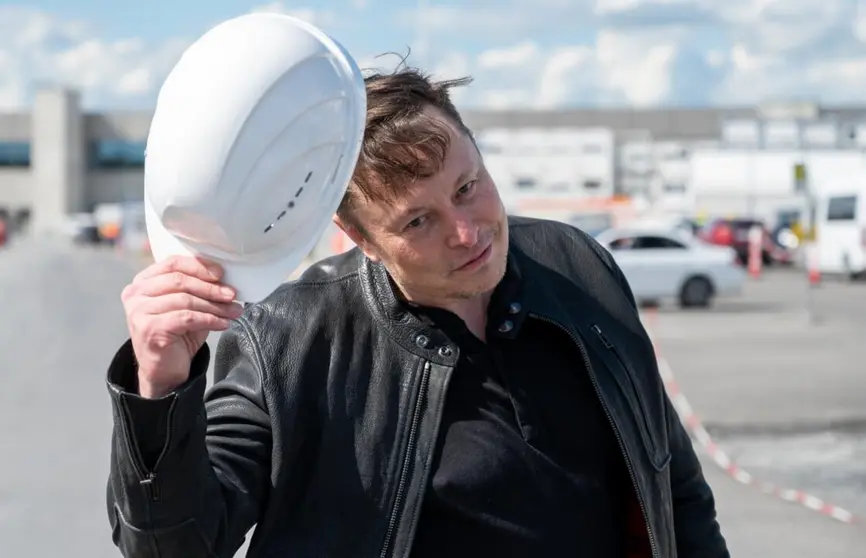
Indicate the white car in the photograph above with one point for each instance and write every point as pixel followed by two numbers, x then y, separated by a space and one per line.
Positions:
pixel 662 263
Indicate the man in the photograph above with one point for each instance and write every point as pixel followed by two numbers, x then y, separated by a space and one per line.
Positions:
pixel 460 384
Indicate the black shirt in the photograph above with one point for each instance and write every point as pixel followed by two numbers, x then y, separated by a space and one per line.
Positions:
pixel 526 463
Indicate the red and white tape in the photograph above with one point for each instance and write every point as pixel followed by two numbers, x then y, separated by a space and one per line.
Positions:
pixel 696 429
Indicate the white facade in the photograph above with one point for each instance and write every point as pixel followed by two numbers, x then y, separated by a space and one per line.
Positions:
pixel 57 160
pixel 535 161
pixel 761 183
pixel 669 188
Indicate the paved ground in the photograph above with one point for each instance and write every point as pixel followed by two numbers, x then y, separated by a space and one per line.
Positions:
pixel 786 398
pixel 757 363
pixel 828 463
pixel 63 321
pixel 758 526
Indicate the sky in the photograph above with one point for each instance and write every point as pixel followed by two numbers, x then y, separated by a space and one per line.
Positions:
pixel 530 54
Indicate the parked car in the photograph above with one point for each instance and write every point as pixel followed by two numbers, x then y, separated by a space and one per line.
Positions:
pixel 661 263
pixel 735 233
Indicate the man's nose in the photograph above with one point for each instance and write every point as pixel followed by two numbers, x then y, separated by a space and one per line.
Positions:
pixel 465 231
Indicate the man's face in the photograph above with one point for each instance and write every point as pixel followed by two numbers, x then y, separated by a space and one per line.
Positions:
pixel 446 238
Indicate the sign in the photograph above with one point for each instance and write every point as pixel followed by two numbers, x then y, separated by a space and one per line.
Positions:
pixel 801 183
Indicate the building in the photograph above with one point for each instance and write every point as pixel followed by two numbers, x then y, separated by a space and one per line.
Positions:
pixel 579 162
pixel 769 168
pixel 58 160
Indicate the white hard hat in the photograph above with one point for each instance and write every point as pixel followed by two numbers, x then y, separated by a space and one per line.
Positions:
pixel 255 136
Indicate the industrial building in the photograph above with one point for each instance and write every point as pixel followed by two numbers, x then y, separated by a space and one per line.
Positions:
pixel 58 160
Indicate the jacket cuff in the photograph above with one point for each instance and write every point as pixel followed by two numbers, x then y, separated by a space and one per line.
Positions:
pixel 149 421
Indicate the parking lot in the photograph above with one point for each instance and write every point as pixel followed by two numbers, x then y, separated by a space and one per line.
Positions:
pixel 757 363
pixel 783 397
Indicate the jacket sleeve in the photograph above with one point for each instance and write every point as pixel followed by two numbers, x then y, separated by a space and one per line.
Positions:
pixel 189 476
pixel 697 529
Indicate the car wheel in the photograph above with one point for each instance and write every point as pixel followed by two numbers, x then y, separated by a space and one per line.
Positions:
pixel 697 292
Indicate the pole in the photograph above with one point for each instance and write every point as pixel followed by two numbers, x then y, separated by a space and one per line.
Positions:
pixel 813 273
pixel 814 281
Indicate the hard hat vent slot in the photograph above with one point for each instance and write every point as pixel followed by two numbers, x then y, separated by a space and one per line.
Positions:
pixel 291 203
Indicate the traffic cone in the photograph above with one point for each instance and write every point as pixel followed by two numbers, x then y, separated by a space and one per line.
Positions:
pixel 814 273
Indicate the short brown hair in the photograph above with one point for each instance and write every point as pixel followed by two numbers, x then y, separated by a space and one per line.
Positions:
pixel 402 143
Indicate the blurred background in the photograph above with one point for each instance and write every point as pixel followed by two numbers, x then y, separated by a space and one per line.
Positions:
pixel 717 149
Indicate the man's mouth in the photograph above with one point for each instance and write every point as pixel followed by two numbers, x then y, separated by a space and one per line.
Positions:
pixel 481 255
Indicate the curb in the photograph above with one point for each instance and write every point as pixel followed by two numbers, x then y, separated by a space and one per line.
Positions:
pixel 699 434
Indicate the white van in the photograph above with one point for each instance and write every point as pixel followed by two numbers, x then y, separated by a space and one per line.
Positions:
pixel 841 230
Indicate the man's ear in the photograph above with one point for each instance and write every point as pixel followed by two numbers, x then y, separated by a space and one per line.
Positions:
pixel 357 236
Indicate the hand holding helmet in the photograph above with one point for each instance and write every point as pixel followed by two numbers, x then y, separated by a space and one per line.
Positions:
pixel 254 140
pixel 171 307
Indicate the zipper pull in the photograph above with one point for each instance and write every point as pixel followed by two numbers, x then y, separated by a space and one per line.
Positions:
pixel 604 339
pixel 150 486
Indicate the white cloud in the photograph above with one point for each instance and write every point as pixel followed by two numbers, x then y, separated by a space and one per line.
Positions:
pixel 647 52
pixel 316 17
pixel 555 83
pixel 521 54
pixel 618 68
pixel 638 52
pixel 37 47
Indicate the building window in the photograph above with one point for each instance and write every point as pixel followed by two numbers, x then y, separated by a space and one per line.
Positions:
pixel 117 154
pixel 14 154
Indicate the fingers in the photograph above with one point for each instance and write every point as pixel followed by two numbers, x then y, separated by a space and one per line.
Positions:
pixel 179 282
pixel 180 295
pixel 181 322
pixel 186 265
pixel 187 302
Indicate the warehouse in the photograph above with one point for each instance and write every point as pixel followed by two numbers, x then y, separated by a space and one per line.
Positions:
pixel 59 160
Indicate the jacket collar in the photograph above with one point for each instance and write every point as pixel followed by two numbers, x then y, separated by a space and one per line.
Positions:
pixel 527 288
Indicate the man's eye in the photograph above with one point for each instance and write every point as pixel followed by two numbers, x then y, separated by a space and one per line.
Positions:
pixel 466 188
pixel 415 223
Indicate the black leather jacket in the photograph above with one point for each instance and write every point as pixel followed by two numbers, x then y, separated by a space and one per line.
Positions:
pixel 324 414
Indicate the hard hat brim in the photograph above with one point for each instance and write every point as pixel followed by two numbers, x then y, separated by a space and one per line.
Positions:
pixel 252 281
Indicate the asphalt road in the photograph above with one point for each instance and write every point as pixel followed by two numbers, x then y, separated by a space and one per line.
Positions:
pixel 760 526
pixel 785 397
pixel 757 363
pixel 63 321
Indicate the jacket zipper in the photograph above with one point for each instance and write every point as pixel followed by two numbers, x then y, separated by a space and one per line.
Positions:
pixel 407 460
pixel 147 479
pixel 623 449
pixel 612 348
